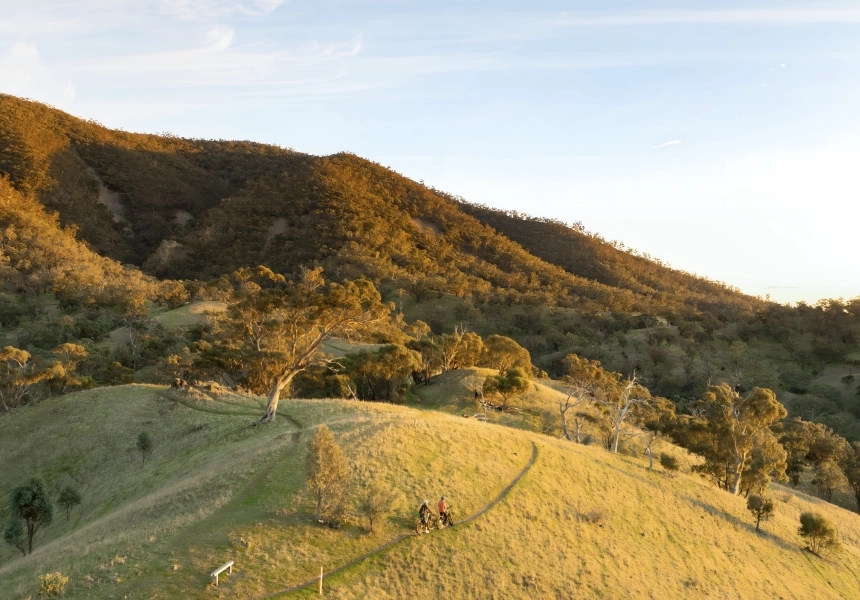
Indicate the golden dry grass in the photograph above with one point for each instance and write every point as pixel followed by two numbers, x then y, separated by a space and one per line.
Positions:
pixel 658 538
pixel 190 314
pixel 581 523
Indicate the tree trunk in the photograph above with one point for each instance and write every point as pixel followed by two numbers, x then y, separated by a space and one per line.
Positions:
pixel 319 504
pixel 564 422
pixel 615 435
pixel 578 426
pixel 274 397
pixel 757 521
pixel 736 475
pixel 650 459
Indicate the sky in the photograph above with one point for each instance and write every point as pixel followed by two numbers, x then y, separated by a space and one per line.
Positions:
pixel 721 137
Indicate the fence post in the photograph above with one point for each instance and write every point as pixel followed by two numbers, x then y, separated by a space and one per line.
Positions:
pixel 320 585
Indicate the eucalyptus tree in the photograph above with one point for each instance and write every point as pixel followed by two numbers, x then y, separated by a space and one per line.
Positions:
pixel 279 327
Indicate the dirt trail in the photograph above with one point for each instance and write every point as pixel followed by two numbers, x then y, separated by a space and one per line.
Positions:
pixel 398 539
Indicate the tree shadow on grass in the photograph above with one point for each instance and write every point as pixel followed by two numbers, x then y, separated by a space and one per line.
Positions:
pixel 750 527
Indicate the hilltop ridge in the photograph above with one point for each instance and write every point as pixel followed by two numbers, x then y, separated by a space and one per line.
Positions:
pixel 185 208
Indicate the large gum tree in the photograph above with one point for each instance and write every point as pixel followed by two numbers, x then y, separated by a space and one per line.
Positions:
pixel 737 426
pixel 282 326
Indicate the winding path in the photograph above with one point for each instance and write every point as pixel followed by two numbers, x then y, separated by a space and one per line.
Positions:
pixel 399 539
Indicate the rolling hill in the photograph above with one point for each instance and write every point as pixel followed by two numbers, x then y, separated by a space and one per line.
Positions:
pixel 580 521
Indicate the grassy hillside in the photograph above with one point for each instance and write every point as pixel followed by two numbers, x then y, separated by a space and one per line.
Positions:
pixel 581 522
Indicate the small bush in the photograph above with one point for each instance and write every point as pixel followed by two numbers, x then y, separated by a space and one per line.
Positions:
pixel 820 534
pixel 669 463
pixel 52 584
pixel 144 445
pixel 593 517
pixel 69 498
pixel 761 508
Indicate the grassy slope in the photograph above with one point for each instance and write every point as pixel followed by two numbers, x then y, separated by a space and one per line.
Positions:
pixel 229 491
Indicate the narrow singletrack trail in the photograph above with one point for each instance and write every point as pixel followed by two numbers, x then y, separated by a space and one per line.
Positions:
pixel 392 542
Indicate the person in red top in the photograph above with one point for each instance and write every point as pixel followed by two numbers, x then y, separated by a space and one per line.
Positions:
pixel 443 511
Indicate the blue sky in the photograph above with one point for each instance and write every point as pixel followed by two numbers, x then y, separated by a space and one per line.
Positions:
pixel 719 137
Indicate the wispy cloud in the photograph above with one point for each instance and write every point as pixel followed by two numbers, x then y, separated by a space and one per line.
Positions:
pixel 669 143
pixel 22 26
pixel 191 9
pixel 716 17
pixel 219 61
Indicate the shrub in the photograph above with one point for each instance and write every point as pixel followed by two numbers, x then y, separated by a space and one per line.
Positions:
pixel 69 498
pixel 669 463
pixel 819 533
pixel 761 508
pixel 375 501
pixel 52 584
pixel 328 477
pixel 593 517
pixel 144 444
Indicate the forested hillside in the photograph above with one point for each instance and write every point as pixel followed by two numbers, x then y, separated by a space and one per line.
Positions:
pixel 196 208
pixel 199 210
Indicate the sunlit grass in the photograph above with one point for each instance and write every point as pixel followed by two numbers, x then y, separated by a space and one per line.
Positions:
pixel 581 523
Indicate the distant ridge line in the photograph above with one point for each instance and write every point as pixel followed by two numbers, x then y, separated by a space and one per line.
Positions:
pixel 400 538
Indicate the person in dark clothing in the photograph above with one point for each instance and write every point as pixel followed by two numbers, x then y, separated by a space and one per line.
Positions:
pixel 424 513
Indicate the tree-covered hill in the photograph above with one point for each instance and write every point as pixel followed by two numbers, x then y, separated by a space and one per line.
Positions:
pixel 199 210
pixel 196 208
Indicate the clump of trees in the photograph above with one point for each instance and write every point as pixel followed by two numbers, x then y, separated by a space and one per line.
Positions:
pixel 732 433
pixel 383 374
pixel 624 408
pixel 274 330
pixel 514 382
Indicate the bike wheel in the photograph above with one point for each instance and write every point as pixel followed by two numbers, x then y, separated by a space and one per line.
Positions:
pixel 419 527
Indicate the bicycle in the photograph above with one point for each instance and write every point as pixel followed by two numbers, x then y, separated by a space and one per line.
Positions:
pixel 445 520
pixel 432 523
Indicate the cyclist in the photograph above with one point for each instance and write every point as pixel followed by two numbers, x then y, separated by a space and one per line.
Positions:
pixel 424 513
pixel 443 512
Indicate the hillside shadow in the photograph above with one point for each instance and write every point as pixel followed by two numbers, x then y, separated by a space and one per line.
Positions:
pixel 749 527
